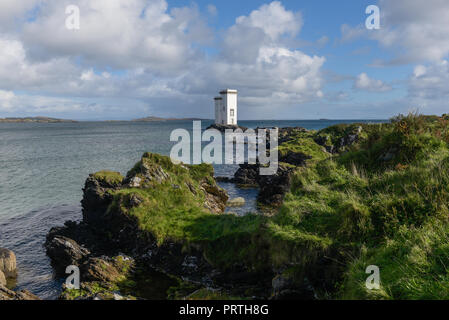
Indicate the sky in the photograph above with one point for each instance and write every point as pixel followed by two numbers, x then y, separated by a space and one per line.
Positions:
pixel 290 59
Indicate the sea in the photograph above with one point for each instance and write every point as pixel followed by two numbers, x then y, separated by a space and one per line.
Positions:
pixel 43 167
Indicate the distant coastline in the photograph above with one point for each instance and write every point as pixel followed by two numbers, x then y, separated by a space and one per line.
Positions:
pixel 156 119
pixel 43 119
pixel 35 120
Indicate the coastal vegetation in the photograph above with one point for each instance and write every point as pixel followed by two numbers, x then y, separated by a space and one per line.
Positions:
pixel 353 196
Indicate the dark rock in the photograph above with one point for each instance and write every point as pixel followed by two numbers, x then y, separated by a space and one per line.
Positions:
pixel 290 285
pixel 106 269
pixel 222 128
pixel 64 252
pixel 350 138
pixel 297 159
pixel 225 179
pixel 321 140
pixel 324 142
pixel 389 155
pixel 247 175
pixel 135 200
pixel 96 198
pixel 273 188
pixel 191 188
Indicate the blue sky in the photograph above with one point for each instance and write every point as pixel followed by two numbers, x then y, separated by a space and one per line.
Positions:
pixel 288 59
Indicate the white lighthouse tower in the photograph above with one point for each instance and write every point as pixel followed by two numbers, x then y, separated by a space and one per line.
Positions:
pixel 226 108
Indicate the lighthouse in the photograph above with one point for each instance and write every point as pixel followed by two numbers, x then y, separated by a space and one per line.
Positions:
pixel 226 108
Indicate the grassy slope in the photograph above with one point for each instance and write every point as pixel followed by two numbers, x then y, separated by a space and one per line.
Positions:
pixel 392 214
pixel 383 201
pixel 171 212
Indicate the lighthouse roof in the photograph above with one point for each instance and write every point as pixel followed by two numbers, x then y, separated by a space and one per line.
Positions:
pixel 228 91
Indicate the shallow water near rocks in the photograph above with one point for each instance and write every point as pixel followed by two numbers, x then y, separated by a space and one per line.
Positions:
pixel 43 168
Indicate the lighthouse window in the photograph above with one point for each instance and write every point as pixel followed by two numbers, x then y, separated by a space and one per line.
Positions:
pixel 232 112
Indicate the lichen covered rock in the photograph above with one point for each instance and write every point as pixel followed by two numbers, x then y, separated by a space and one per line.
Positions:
pixel 8 263
pixel 236 202
pixel 7 294
pixel 2 278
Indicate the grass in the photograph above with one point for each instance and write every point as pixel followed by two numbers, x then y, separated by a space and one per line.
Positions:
pixel 109 177
pixel 379 210
pixel 413 265
pixel 303 142
pixel 382 200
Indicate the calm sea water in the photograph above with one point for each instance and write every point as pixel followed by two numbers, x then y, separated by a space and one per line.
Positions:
pixel 43 168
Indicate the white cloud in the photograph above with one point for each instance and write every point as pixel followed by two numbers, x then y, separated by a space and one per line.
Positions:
pixel 417 30
pixel 255 59
pixel 430 84
pixel 120 34
pixel 6 100
pixel 13 12
pixel 273 19
pixel 147 56
pixel 363 82
pixel 421 27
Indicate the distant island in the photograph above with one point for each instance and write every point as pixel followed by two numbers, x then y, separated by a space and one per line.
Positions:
pixel 36 120
pixel 155 119
pixel 41 119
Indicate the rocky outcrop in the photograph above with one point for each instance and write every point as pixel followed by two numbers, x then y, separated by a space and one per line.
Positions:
pixel 295 158
pixel 291 286
pixel 216 197
pixel 94 291
pixel 64 252
pixel 2 279
pixel 273 188
pixel 97 196
pixel 247 175
pixel 288 134
pixel 338 141
pixel 99 274
pixel 107 229
pixel 107 269
pixel 7 294
pixel 8 263
pixel 222 127
pixel 8 271
pixel 350 138
pixel 236 202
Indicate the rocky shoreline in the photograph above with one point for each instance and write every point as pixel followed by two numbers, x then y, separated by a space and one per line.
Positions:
pixel 335 206
pixel 170 219
pixel 108 234
pixel 8 274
